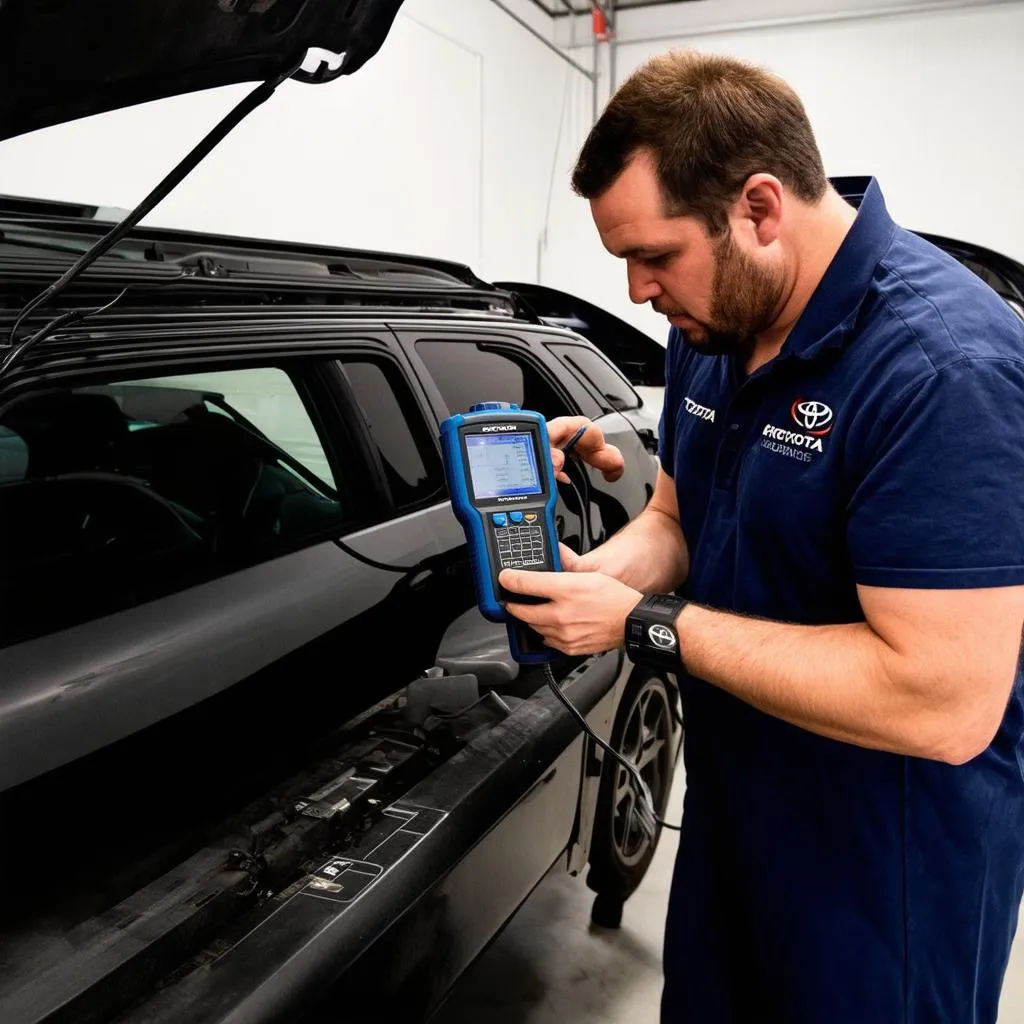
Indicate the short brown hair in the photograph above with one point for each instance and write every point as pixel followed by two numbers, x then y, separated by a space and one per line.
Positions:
pixel 710 122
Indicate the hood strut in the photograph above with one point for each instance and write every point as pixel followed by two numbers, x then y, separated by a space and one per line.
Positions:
pixel 202 149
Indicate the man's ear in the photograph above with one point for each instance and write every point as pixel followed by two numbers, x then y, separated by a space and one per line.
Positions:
pixel 760 207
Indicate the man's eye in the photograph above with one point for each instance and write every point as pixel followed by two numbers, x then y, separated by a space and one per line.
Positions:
pixel 660 260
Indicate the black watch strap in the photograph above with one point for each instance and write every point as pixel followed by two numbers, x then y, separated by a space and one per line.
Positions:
pixel 651 635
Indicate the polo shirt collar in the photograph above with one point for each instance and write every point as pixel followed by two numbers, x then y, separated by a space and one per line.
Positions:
pixel 826 321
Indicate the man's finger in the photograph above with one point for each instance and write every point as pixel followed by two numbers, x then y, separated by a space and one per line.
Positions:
pixel 591 448
pixel 567 557
pixel 608 460
pixel 558 464
pixel 562 428
pixel 537 615
pixel 537 584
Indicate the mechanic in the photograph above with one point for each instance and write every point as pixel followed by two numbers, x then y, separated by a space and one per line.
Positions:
pixel 840 516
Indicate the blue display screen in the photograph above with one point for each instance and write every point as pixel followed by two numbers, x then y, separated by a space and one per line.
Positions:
pixel 502 465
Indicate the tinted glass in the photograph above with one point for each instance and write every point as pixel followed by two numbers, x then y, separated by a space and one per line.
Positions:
pixel 398 429
pixel 467 373
pixel 118 494
pixel 609 387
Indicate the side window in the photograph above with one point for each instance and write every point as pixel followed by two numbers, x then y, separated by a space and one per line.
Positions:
pixel 266 399
pixel 469 372
pixel 13 455
pixel 407 452
pixel 611 389
pixel 117 494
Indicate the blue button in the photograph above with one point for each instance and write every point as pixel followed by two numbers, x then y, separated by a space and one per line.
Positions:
pixel 516 517
pixel 494 407
pixel 499 518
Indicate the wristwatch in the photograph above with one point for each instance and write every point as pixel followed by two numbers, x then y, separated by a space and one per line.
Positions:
pixel 651 635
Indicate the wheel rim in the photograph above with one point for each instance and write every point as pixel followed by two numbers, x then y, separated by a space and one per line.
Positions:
pixel 645 744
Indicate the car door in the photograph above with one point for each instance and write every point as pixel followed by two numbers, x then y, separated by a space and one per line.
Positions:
pixel 182 507
pixel 610 390
pixel 419 529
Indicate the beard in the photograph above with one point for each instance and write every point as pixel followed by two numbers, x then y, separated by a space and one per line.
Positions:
pixel 745 300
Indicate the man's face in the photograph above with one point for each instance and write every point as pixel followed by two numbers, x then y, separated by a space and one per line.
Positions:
pixel 720 295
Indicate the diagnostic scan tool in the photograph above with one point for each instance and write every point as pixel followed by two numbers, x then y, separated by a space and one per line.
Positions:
pixel 497 459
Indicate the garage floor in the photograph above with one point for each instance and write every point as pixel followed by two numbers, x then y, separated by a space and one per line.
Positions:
pixel 549 967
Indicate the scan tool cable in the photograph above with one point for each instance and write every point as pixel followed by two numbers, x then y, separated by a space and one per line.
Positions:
pixel 421 566
pixel 644 811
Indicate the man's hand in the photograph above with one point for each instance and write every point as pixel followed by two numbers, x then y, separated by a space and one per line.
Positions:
pixel 591 447
pixel 585 612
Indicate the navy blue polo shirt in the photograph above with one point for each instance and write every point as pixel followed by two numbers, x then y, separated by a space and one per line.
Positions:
pixel 819 882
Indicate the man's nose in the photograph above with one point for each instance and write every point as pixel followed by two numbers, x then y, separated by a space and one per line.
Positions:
pixel 642 285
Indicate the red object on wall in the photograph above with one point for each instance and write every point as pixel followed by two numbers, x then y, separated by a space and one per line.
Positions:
pixel 600 25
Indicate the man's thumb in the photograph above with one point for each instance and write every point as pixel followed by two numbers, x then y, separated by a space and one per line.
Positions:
pixel 569 558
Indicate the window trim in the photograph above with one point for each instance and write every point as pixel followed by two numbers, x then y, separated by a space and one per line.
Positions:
pixel 560 350
pixel 511 347
pixel 412 407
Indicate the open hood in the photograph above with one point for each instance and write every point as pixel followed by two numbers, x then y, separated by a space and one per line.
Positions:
pixel 64 59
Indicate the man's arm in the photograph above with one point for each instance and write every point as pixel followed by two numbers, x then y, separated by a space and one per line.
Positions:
pixel 929 674
pixel 935 530
pixel 649 553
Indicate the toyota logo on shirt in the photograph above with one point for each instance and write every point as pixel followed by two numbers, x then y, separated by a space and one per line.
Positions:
pixel 814 417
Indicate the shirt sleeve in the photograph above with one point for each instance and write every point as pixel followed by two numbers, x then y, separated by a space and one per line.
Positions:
pixel 667 426
pixel 941 502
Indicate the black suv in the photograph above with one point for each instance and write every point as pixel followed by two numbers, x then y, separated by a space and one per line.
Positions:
pixel 261 758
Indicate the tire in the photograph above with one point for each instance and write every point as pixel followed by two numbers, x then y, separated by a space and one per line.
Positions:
pixel 620 856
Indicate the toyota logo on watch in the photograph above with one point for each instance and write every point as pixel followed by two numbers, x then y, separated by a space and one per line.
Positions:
pixel 814 417
pixel 662 637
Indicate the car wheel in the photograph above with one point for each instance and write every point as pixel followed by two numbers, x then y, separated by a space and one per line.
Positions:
pixel 620 852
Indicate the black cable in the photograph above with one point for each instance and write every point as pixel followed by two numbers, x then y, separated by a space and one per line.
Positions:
pixel 239 112
pixel 374 564
pixel 419 566
pixel 71 316
pixel 642 791
pixel 588 532
pixel 648 815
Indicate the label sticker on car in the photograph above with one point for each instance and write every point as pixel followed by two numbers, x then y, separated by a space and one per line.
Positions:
pixel 402 827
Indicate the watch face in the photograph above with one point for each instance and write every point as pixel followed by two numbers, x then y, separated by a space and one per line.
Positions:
pixel 662 637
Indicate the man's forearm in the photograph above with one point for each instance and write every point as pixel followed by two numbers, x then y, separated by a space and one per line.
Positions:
pixel 842 681
pixel 649 554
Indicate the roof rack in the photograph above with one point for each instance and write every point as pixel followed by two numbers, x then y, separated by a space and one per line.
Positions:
pixel 77 219
pixel 26 206
pixel 221 261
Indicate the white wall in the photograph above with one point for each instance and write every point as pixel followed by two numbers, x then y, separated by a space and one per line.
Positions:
pixel 457 140
pixel 442 145
pixel 929 102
